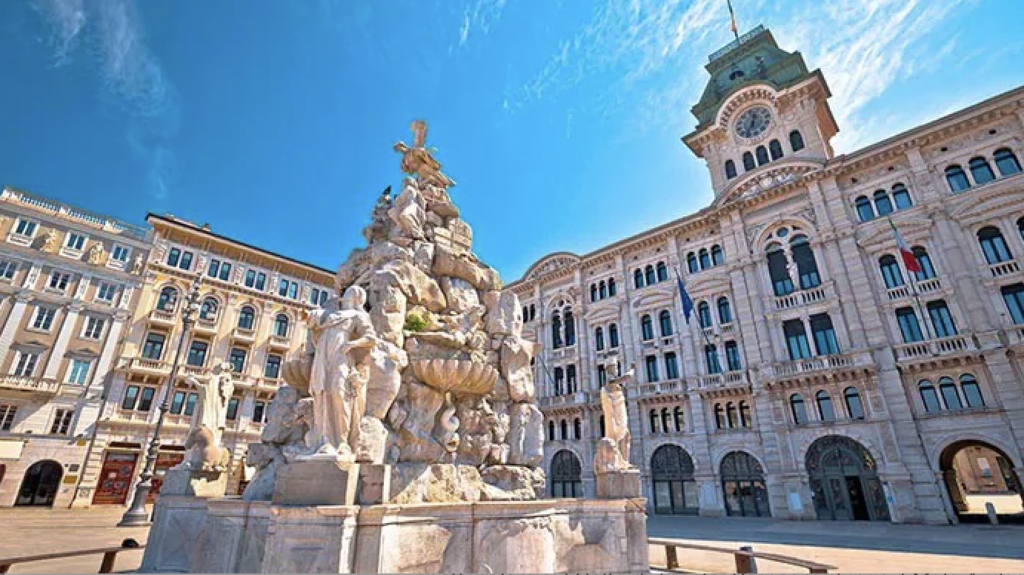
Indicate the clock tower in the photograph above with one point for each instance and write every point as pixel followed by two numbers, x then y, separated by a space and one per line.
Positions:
pixel 762 118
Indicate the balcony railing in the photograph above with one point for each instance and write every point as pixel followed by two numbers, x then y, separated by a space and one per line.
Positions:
pixel 818 364
pixel 31 384
pixel 934 347
pixel 151 366
pixel 244 334
pixel 722 380
pixel 162 317
pixel 206 325
pixel 929 285
pixel 1004 268
pixel 279 341
pixel 726 327
pixel 658 388
pixel 578 397
pixel 802 297
pixel 1015 334
pixel 906 290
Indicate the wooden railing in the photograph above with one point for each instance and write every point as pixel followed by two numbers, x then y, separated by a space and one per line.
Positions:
pixel 744 558
pixel 106 566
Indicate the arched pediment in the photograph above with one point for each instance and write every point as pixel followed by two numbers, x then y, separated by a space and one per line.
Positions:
pixel 768 177
pixel 878 234
pixel 652 297
pixel 554 262
pixel 760 92
pixel 977 206
pixel 603 313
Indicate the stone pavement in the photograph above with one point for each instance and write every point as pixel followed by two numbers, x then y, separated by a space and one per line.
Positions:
pixel 853 547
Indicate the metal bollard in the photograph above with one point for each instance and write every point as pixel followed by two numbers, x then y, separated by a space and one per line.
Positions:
pixel 990 509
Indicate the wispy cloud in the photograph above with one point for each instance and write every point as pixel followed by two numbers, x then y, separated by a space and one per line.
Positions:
pixel 107 37
pixel 478 17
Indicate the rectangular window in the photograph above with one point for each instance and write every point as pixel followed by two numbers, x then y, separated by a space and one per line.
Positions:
pixel 146 398
pixel 186 261
pixel 232 411
pixel 131 397
pixel 651 364
pixel 714 365
pixel 190 403
pixel 261 281
pixel 225 272
pixel 178 402
pixel 272 369
pixel 59 280
pixel 237 359
pixel 824 335
pixel 796 339
pixel 79 371
pixel 213 269
pixel 671 366
pixel 120 254
pixel 7 414
pixel 1013 296
pixel 942 320
pixel 258 409
pixel 62 421
pixel 74 241
pixel 93 328
pixel 8 269
pixel 909 328
pixel 26 228
pixel 732 356
pixel 250 278
pixel 314 296
pixel 282 288
pixel 293 290
pixel 154 346
pixel 44 318
pixel 106 292
pixel 173 257
pixel 197 353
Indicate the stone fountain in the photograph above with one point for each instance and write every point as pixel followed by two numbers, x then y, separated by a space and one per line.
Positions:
pixel 408 438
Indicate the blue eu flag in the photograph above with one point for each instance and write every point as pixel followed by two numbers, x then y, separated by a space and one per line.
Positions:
pixel 687 302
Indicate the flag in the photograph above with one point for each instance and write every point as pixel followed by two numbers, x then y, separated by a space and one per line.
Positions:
pixel 908 256
pixel 685 297
pixel 732 16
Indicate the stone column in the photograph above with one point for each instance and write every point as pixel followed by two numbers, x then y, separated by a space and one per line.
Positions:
pixel 13 321
pixel 61 345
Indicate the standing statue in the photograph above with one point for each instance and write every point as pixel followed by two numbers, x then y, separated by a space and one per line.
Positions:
pixel 49 242
pixel 204 439
pixel 137 264
pixel 343 337
pixel 613 449
pixel 96 256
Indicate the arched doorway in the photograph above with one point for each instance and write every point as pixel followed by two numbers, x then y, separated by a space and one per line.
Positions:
pixel 977 473
pixel 39 487
pixel 844 481
pixel 743 486
pixel 566 471
pixel 675 491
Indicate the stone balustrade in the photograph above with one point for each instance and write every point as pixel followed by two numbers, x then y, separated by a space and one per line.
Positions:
pixel 821 363
pixel 934 347
pixel 149 366
pixel 804 297
pixel 723 380
pixel 162 317
pixel 38 385
pixel 1004 268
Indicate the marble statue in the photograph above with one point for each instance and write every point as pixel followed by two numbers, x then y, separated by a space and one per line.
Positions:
pixel 343 335
pixel 96 255
pixel 613 449
pixel 49 242
pixel 204 438
pixel 137 264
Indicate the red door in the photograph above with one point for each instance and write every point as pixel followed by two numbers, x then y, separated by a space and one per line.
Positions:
pixel 115 478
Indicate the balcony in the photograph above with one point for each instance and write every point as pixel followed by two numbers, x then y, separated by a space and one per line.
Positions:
pixel 247 335
pixel 905 291
pixel 1004 268
pixel 162 317
pixel 657 388
pixel 725 380
pixel 206 325
pixel 33 385
pixel 934 348
pixel 803 297
pixel 148 366
pixel 279 342
pixel 577 398
pixel 819 365
pixel 726 328
pixel 192 370
pixel 1015 334
pixel 563 352
pixel 929 285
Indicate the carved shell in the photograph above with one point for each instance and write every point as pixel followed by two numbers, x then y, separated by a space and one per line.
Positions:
pixel 456 375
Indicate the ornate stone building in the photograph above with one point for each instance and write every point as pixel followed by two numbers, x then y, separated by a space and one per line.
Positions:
pixel 251 316
pixel 821 373
pixel 68 282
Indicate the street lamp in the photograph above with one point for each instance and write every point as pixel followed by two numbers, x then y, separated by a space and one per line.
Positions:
pixel 136 514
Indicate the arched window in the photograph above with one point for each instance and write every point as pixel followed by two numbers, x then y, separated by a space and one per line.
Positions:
pixel 577 429
pixel 890 271
pixel 565 429
pixel 551 430
pixel 533 312
pixel 704 314
pixel 613 336
pixel 775 148
pixel 745 420
pixel 691 263
pixel 719 416
pixel 654 420
pixel 993 245
pixel 748 161
pixel 901 197
pixel 247 317
pixel 724 310
pixel 603 290
pixel 883 205
pixel 281 325
pixel 854 405
pixel 665 323
pixel 649 277
pixel 923 260
pixel 717 255
pixel 665 420
pixel 711 359
pixel 929 396
pixel 570 329
pixel 730 169
pixel 865 211
pixel 805 264
pixel 730 415
pixel 957 179
pixel 593 293
pixel 646 327
pixel 950 395
pixel 638 278
pixel 677 416
pixel 825 409
pixel 778 269
pixel 762 155
pixel 796 141
pixel 798 409
pixel 662 272
pixel 168 299
pixel 705 260
pixel 611 287
pixel 209 309
pixel 972 393
pixel 599 338
pixel 1007 162
pixel 981 171
pixel 556 331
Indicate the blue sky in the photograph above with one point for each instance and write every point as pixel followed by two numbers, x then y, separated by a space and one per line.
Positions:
pixel 560 120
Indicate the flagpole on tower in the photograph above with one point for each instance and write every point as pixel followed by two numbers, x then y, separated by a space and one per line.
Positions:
pixel 732 17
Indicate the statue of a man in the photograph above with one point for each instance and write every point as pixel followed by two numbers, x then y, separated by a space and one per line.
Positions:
pixel 343 337
pixel 204 439
pixel 613 450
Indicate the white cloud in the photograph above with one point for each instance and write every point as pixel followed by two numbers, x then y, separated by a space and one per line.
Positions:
pixel 479 17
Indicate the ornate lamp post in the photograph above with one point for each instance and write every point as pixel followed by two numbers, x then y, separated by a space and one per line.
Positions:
pixel 136 514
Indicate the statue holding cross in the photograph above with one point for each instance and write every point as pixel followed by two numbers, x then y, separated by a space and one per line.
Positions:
pixel 418 160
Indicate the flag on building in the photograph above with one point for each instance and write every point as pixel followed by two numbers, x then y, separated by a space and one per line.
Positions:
pixel 905 252
pixel 732 16
pixel 685 297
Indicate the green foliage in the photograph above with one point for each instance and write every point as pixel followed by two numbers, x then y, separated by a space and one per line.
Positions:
pixel 415 323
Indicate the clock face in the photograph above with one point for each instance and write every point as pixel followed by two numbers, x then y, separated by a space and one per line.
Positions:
pixel 753 122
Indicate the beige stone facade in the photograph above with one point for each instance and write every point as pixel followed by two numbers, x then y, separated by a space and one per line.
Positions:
pixel 817 377
pixel 68 283
pixel 252 301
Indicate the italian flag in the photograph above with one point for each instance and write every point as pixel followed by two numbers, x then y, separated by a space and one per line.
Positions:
pixel 908 256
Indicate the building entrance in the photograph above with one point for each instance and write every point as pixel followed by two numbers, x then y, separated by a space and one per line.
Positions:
pixel 844 481
pixel 675 491
pixel 976 473
pixel 115 478
pixel 40 485
pixel 566 472
pixel 743 486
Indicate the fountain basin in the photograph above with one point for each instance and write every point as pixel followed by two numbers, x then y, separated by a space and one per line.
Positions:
pixel 458 375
